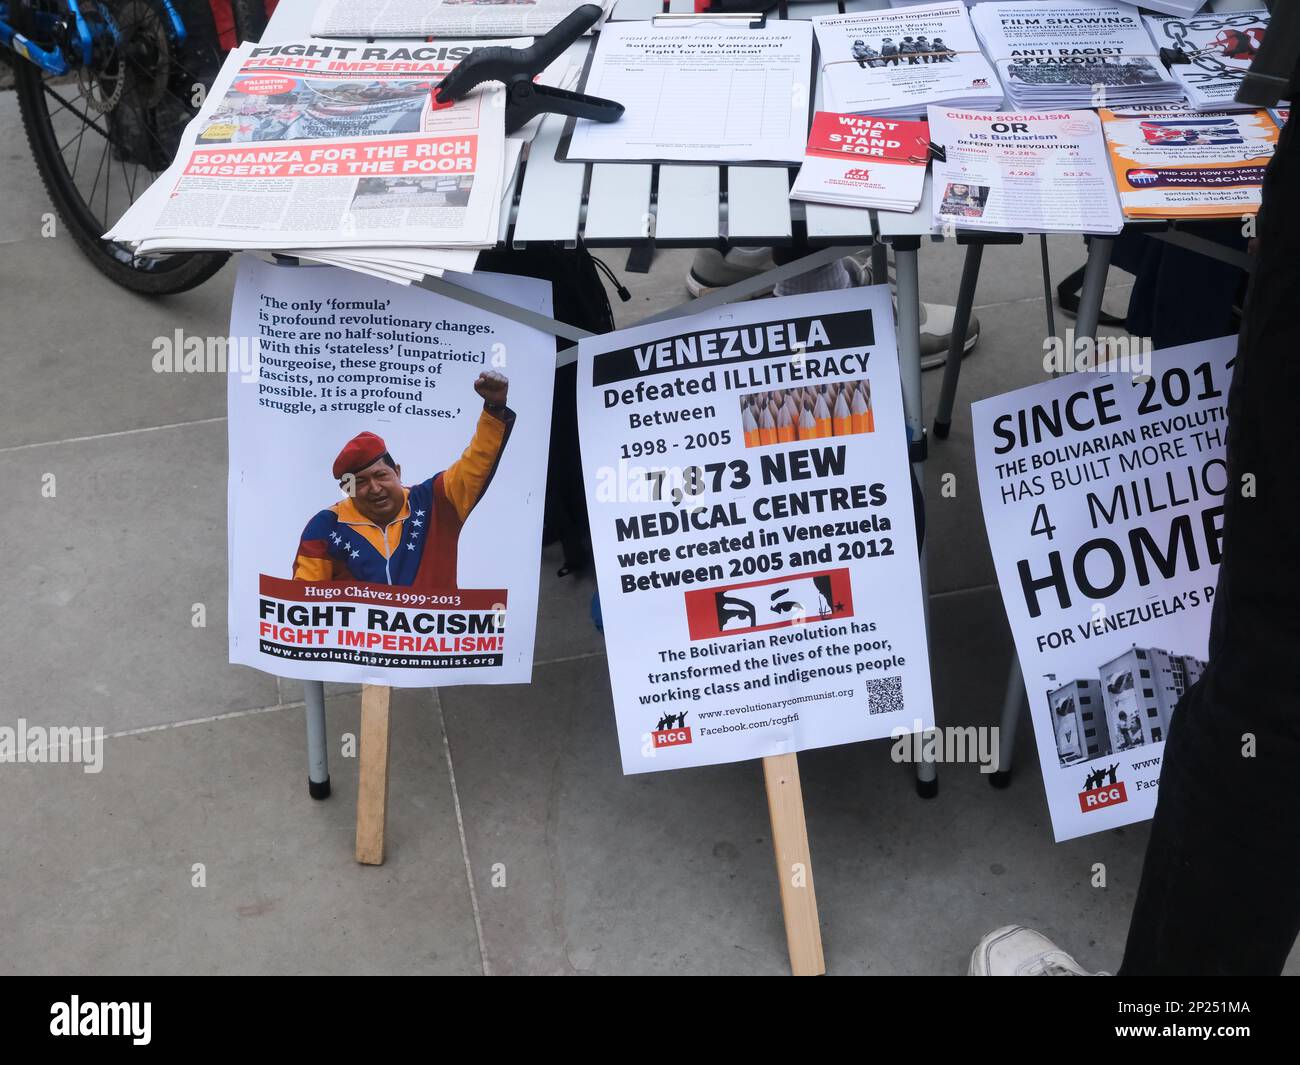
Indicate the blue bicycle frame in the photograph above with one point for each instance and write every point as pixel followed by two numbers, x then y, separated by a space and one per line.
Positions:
pixel 76 32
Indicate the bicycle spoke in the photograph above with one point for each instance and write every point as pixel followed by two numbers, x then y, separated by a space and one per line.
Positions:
pixel 81 131
pixel 81 135
pixel 143 119
pixel 136 95
pixel 90 200
pixel 64 104
pixel 126 179
pixel 108 183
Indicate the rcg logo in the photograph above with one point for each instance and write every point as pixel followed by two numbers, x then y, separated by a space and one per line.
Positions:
pixel 1101 790
pixel 671 730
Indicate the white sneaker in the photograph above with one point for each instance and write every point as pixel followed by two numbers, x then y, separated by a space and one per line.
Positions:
pixel 1014 950
pixel 937 321
pixel 711 269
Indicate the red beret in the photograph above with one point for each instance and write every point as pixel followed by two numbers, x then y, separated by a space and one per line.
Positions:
pixel 358 453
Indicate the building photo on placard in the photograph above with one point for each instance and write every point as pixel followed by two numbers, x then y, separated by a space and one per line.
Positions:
pixel 1128 704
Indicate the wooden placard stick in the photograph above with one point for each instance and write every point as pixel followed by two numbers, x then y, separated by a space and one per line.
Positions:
pixel 372 777
pixel 803 931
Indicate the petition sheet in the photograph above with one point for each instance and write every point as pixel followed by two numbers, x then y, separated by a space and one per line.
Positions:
pixel 698 94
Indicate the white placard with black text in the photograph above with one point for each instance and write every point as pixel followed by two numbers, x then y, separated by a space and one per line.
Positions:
pixel 752 522
pixel 1103 497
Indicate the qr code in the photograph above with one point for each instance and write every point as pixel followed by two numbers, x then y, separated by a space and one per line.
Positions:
pixel 885 695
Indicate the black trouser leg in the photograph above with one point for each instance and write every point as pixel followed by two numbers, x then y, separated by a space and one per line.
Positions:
pixel 1220 889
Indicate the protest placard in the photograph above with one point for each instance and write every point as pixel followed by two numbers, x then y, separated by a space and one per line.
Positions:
pixel 752 522
pixel 387 470
pixel 1103 496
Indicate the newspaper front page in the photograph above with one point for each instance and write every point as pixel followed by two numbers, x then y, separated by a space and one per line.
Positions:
pixel 331 144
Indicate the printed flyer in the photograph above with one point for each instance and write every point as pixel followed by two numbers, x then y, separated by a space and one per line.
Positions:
pixel 1103 497
pixel 863 161
pixel 752 523
pixel 1175 162
pixel 1072 53
pixel 1220 47
pixel 387 472
pixel 1042 172
pixel 896 62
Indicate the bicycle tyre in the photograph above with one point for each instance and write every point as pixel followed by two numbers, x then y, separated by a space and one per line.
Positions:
pixel 168 275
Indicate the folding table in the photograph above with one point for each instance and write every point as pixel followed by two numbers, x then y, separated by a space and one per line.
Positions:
pixel 557 204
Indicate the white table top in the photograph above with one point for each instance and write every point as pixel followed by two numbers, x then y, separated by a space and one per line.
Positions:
pixel 626 204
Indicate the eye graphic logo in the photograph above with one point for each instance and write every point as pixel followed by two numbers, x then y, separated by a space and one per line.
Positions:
pixel 1142 177
pixel 797 599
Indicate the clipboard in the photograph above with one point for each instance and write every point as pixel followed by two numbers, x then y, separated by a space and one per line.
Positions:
pixel 750 20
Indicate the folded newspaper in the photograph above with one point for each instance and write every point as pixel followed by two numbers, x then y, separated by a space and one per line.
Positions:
pixel 336 151
pixel 442 18
pixel 1220 47
pixel 1075 53
pixel 894 63
pixel 863 161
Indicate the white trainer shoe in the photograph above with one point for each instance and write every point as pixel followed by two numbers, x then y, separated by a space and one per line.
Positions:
pixel 1014 950
pixel 712 270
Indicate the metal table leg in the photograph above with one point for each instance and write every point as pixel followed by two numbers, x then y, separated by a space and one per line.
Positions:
pixel 879 263
pixel 318 765
pixel 909 366
pixel 970 273
pixel 1094 287
pixel 1012 703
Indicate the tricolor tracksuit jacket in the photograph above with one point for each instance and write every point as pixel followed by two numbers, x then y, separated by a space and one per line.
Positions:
pixel 417 548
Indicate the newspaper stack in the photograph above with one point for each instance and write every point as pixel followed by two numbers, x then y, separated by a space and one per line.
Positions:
pixel 1220 47
pixel 442 18
pixel 892 64
pixel 864 161
pixel 336 152
pixel 1077 53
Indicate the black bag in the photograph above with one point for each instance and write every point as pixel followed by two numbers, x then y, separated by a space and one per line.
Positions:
pixel 579 300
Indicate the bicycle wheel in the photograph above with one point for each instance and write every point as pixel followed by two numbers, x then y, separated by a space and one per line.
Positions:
pixel 100 134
